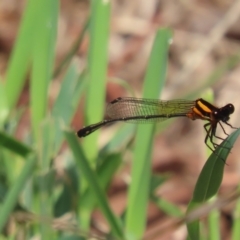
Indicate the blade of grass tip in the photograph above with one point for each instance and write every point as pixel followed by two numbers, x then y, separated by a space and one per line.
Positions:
pixel 98 62
pixel 20 57
pixel 43 56
pixel 210 178
pixel 94 184
pixel 14 192
pixel 139 189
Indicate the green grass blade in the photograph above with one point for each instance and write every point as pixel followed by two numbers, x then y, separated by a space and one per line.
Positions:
pixel 94 184
pixel 21 55
pixel 43 54
pixel 98 61
pixel 139 188
pixel 15 190
pixel 212 172
pixel 214 224
pixel 14 145
pixel 210 179
pixel 236 222
pixel 108 168
pixel 105 173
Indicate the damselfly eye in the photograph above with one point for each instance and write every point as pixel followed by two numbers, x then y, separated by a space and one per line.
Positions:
pixel 230 108
pixel 227 110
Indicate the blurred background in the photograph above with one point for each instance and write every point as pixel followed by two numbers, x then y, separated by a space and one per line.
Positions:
pixel 204 56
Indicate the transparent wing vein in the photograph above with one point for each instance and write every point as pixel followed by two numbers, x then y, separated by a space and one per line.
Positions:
pixel 136 107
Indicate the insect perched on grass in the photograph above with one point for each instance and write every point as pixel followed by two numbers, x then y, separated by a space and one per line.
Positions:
pixel 140 110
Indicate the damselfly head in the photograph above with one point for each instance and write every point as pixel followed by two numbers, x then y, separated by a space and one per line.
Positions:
pixel 224 112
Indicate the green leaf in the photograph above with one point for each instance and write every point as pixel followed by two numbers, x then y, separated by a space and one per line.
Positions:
pixel 21 55
pixel 43 56
pixel 211 175
pixel 236 222
pixel 98 62
pixel 210 179
pixel 94 184
pixel 139 189
pixel 14 145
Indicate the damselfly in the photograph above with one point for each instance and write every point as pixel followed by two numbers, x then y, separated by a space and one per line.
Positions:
pixel 139 110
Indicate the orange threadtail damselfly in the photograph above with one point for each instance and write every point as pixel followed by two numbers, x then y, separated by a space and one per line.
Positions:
pixel 140 110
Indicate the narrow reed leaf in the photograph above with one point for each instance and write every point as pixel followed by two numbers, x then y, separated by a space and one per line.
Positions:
pixel 139 189
pixel 21 55
pixel 94 184
pixel 43 55
pixel 98 62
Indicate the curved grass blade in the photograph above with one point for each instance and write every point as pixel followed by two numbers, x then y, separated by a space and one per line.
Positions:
pixel 210 179
pixel 94 184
